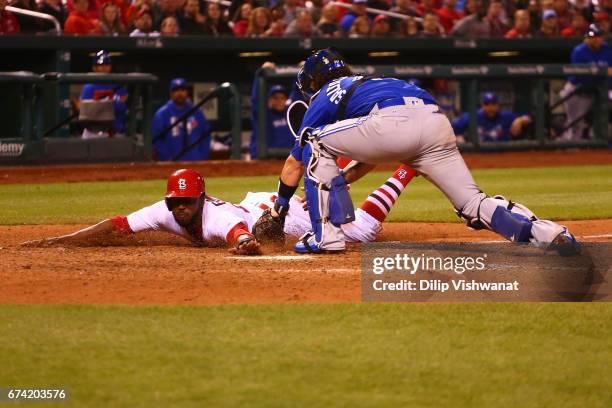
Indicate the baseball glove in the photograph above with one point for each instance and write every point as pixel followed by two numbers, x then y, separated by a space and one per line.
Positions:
pixel 269 229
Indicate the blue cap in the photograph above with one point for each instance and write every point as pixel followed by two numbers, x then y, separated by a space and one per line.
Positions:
pixel 178 83
pixel 277 88
pixel 548 14
pixel 489 97
pixel 102 58
pixel 594 31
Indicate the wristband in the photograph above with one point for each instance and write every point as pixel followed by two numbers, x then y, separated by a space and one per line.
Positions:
pixel 285 193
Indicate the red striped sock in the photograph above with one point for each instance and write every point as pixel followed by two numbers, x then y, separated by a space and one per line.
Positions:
pixel 379 203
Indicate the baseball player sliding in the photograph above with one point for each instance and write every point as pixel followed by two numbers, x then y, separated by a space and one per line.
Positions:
pixel 188 212
pixel 378 120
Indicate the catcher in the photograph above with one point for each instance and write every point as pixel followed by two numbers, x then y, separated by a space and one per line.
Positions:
pixel 188 212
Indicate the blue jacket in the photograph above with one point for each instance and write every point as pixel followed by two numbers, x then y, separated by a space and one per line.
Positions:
pixel 582 54
pixel 277 129
pixel 168 147
pixel 100 92
pixel 496 129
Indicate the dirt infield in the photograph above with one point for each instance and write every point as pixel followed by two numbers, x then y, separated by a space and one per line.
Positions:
pixel 159 269
pixel 147 171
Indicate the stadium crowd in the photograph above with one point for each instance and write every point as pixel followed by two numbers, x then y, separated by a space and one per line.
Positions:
pixel 312 18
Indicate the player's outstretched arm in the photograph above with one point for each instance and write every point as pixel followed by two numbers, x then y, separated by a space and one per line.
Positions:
pixel 98 230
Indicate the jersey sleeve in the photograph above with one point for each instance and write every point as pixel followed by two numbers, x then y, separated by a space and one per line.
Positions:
pixel 149 218
pixel 320 112
pixel 219 223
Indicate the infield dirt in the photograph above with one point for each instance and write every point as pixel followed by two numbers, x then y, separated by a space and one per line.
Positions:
pixel 155 268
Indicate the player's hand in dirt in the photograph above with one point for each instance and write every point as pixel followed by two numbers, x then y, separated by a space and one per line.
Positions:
pixel 246 246
pixel 40 243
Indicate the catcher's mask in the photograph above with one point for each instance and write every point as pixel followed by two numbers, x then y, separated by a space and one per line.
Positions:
pixel 184 186
pixel 318 63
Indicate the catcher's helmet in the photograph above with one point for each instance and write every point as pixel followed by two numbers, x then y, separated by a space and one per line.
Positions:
pixel 318 63
pixel 102 58
pixel 185 183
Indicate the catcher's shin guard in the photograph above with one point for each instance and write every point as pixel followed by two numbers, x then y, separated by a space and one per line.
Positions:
pixel 320 170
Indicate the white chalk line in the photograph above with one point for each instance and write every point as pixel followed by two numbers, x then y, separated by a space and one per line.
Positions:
pixel 272 257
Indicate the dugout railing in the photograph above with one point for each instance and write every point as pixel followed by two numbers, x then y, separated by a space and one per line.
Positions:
pixel 35 143
pixel 470 77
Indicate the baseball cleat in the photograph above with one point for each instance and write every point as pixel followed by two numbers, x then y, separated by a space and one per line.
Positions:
pixel 307 244
pixel 565 244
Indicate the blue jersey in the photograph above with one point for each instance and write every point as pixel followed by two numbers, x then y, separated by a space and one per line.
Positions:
pixel 495 129
pixel 182 135
pixel 101 92
pixel 582 54
pixel 277 132
pixel 323 109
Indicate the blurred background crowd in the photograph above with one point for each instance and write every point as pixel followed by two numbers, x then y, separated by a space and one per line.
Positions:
pixel 312 18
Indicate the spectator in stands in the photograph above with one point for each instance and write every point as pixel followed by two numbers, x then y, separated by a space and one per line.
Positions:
pixel 426 6
pixel 163 9
pixel 190 139
pixel 191 20
pixel 405 7
pixel 56 9
pixel 292 8
pixel 260 21
pixel 8 22
pixel 241 20
pixel 602 19
pixel 170 27
pixel 494 125
pixel 110 20
pixel 564 13
pixel 360 28
pixel 549 27
pixel 474 25
pixel 144 25
pixel 90 113
pixel 431 26
pixel 133 9
pixel 215 24
pixel 328 24
pixel 497 26
pixel 449 15
pixel 302 26
pixel 593 50
pixel 381 27
pixel 277 133
pixel 577 28
pixel 535 15
pixel 410 28
pixel 78 22
pixel 27 24
pixel 92 9
pixel 471 7
pixel 315 7
pixel 521 27
pixel 358 9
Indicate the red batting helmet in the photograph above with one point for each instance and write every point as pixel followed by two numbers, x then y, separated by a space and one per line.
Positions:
pixel 185 183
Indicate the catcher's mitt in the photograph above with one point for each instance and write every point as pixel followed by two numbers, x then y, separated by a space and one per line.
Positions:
pixel 269 229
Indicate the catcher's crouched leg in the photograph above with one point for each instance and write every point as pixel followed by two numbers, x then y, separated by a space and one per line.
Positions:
pixel 513 221
pixel 268 229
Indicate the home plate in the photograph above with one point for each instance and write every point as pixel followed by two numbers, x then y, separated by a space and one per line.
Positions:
pixel 273 257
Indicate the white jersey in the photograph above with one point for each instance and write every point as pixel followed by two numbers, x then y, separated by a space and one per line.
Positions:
pixel 218 219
